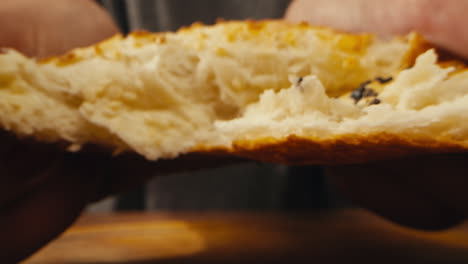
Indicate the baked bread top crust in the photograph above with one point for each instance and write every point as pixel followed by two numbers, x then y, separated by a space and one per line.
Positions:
pixel 265 90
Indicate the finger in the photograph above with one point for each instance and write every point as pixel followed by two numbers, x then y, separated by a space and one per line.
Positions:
pixel 376 16
pixel 23 166
pixel 52 27
pixel 74 24
pixel 444 24
pixel 440 21
pixel 442 177
pixel 401 191
pixel 33 220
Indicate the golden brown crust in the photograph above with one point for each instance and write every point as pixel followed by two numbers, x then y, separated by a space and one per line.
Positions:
pixel 346 149
pixel 361 40
pixel 418 45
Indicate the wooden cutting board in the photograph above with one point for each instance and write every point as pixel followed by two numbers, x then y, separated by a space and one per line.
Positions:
pixel 344 236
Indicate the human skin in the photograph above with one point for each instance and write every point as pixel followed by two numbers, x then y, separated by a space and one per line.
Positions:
pixel 424 192
pixel 52 27
pixel 43 189
pixel 442 22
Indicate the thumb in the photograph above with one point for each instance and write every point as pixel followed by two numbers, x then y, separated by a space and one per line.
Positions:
pixel 52 27
pixel 439 21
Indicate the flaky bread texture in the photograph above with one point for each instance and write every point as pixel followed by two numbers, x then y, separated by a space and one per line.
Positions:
pixel 265 90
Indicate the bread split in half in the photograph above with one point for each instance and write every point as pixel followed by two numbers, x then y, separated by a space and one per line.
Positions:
pixel 267 90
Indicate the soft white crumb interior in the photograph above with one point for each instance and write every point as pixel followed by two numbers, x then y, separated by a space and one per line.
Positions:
pixel 206 87
pixel 422 100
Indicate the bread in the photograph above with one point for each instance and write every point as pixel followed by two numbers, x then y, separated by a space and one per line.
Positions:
pixel 265 90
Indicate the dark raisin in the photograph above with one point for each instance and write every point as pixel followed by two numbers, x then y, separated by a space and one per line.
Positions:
pixel 384 80
pixel 299 84
pixel 375 101
pixel 357 94
pixel 369 92
pixel 364 84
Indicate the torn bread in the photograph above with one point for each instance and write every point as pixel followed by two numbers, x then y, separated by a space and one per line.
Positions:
pixel 267 90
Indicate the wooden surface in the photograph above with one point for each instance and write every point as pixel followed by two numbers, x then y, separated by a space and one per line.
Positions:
pixel 344 236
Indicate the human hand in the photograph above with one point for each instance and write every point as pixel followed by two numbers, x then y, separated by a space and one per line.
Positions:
pixel 52 27
pixel 42 190
pixel 422 192
pixel 442 22
pixel 426 192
